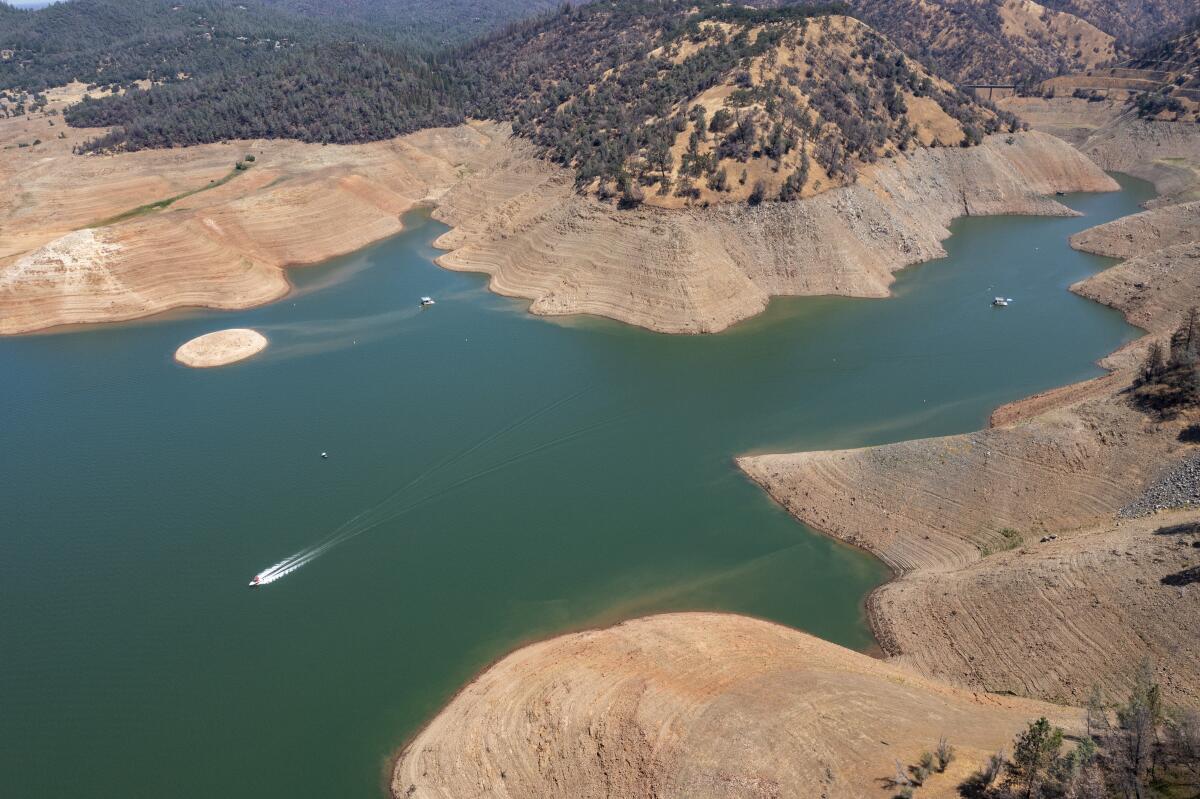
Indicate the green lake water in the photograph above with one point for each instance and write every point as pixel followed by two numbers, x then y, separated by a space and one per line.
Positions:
pixel 567 473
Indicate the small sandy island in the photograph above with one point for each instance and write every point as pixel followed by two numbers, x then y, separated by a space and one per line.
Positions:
pixel 221 347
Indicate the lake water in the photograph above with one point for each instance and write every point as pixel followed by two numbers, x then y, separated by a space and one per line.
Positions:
pixel 564 473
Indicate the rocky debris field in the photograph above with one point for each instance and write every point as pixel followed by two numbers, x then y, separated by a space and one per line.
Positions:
pixel 1178 487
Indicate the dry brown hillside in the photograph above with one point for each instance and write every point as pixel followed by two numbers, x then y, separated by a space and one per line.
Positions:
pixel 1178 56
pixel 718 104
pixel 1131 21
pixel 983 41
pixel 827 96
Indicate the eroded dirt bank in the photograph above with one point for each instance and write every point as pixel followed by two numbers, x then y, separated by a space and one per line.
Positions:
pixel 703 269
pixel 1111 135
pixel 95 239
pixel 982 600
pixel 699 705
pixel 99 239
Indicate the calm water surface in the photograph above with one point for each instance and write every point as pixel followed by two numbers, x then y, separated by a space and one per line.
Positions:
pixel 568 473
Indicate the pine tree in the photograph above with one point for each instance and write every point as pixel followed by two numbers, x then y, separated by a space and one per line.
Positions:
pixel 1033 754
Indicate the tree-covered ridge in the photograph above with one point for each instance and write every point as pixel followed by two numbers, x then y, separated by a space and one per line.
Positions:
pixel 1022 41
pixel 984 41
pixel 102 41
pixel 647 100
pixel 435 21
pixel 338 93
pixel 1176 62
pixel 727 104
pixel 1133 22
pixel 114 42
pixel 1178 55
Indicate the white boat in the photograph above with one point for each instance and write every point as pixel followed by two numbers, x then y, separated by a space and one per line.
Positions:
pixel 427 301
pixel 1001 302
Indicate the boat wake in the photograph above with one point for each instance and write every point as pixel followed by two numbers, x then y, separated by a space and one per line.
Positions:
pixel 405 498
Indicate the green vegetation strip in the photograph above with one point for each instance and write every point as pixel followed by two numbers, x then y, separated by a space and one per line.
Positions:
pixel 160 205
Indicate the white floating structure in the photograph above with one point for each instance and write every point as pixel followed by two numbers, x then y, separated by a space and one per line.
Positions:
pixel 427 301
pixel 1001 302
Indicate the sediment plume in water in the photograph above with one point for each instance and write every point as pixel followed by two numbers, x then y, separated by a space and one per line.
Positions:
pixel 401 500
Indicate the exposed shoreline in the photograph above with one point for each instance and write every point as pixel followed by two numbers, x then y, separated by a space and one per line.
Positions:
pixel 1059 462
pixel 231 245
pixel 702 270
pixel 877 651
pixel 1132 535
pixel 516 214
pixel 221 244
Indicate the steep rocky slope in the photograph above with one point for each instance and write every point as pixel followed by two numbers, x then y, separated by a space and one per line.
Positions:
pixel 699 705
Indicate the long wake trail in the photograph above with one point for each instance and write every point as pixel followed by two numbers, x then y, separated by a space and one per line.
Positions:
pixel 397 502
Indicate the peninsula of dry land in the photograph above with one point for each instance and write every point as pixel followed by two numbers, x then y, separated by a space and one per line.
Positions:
pixel 701 705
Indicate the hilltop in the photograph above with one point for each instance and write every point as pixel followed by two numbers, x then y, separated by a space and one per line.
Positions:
pixel 722 104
